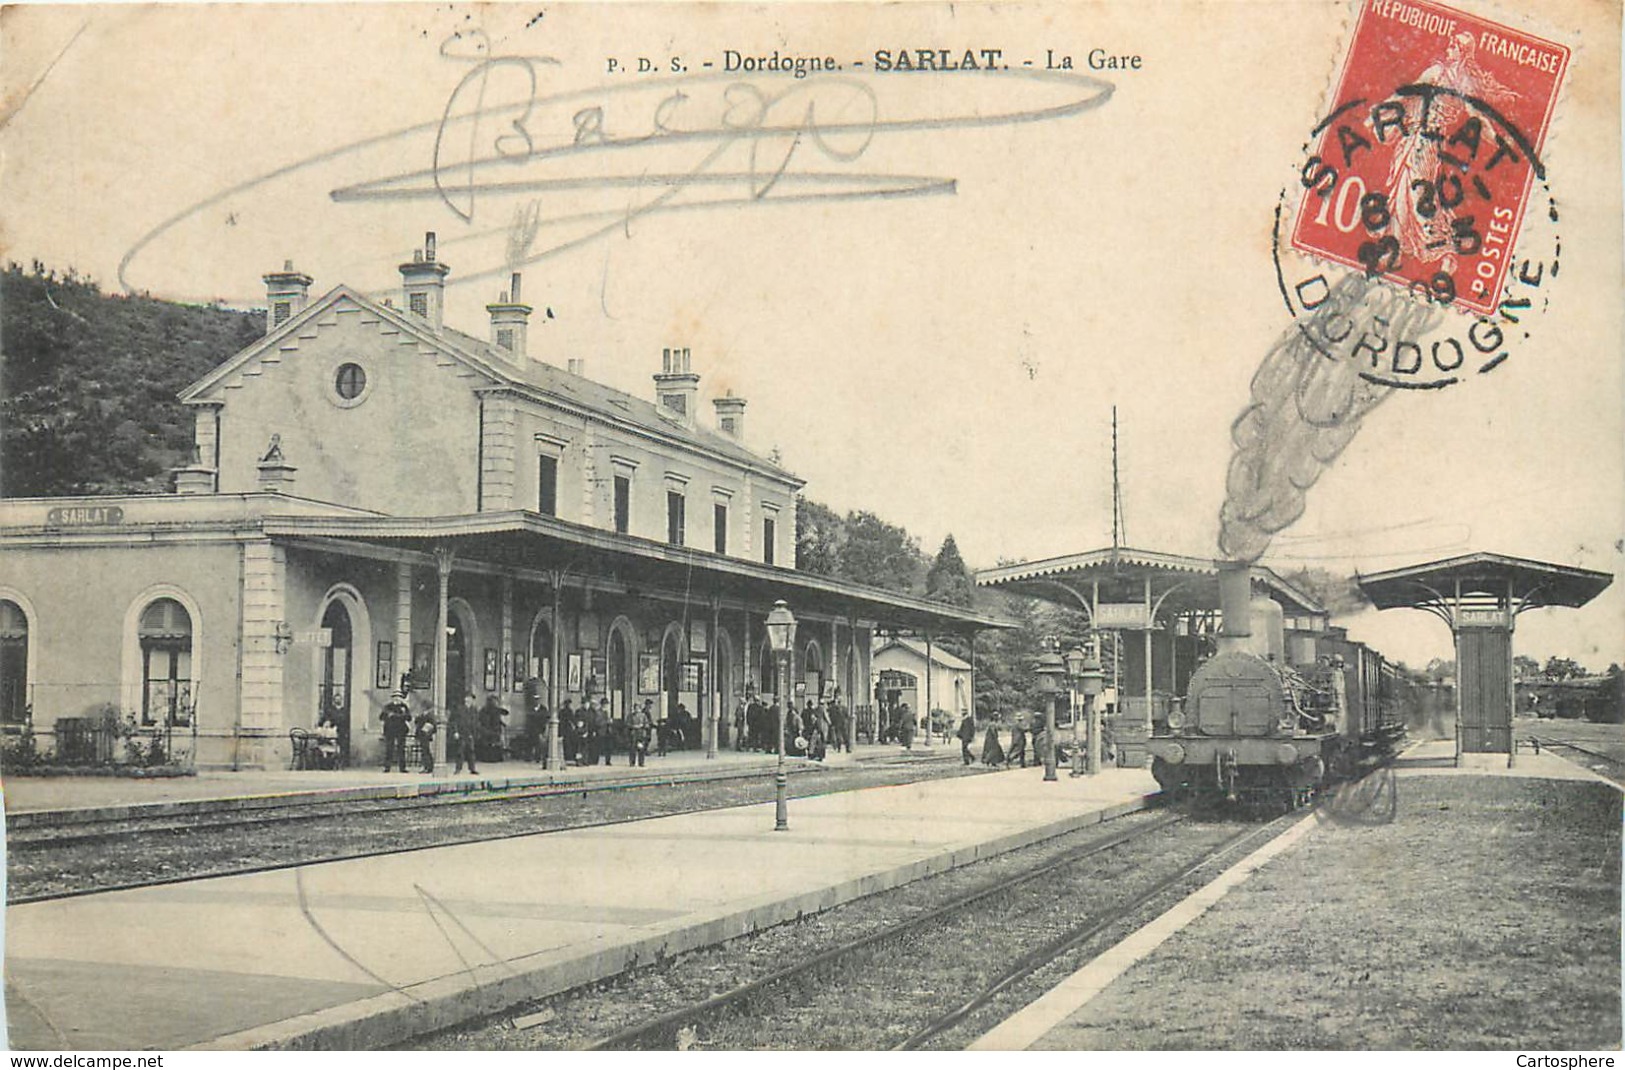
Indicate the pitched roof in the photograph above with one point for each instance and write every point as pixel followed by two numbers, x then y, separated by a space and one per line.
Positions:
pixel 939 656
pixel 553 381
pixel 1121 572
pixel 530 376
pixel 1534 583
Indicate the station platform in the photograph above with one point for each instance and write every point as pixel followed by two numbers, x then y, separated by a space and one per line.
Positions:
pixel 1061 1019
pixel 1437 757
pixel 36 801
pixel 367 952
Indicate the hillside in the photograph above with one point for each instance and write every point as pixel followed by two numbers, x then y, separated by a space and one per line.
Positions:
pixel 88 383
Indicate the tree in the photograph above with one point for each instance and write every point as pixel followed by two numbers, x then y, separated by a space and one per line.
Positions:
pixel 818 537
pixel 1562 668
pixel 880 554
pixel 1341 595
pixel 89 403
pixel 1439 670
pixel 947 579
pixel 1524 667
pixel 1005 680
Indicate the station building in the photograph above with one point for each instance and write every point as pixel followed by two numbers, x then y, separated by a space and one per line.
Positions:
pixel 923 676
pixel 376 497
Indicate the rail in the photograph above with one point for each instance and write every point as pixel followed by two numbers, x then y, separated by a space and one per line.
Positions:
pixel 662 1032
pixel 43 839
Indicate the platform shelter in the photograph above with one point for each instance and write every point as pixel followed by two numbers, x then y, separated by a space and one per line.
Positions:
pixel 1162 610
pixel 1479 596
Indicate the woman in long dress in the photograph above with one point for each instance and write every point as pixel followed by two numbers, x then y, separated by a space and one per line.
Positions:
pixel 992 753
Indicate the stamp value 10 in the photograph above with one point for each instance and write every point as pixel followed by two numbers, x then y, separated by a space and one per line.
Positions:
pixel 1422 172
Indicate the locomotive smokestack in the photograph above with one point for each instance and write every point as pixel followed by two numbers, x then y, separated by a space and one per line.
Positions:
pixel 1235 599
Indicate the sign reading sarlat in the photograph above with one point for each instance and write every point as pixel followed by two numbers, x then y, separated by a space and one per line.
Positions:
pixel 84 516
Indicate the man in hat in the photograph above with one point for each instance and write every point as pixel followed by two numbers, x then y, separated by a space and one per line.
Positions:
pixel 569 745
pixel 638 725
pixel 967 736
pixel 605 731
pixel 397 718
pixel 465 729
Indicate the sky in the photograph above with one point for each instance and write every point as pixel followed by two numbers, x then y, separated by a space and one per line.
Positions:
pixel 931 317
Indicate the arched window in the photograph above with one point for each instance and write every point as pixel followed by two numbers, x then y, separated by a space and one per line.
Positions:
pixel 165 633
pixel 13 662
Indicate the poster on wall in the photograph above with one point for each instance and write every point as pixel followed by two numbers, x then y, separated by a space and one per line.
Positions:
pixel 422 665
pixel 599 673
pixel 698 637
pixel 648 674
pixel 384 666
pixel 516 681
pixel 490 677
pixel 573 669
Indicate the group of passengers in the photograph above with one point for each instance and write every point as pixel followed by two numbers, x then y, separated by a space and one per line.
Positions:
pixel 808 732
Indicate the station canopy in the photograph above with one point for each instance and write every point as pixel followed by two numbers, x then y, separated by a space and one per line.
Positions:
pixel 1510 583
pixel 536 546
pixel 1172 584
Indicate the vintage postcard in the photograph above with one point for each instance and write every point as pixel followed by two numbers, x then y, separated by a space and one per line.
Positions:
pixel 813 526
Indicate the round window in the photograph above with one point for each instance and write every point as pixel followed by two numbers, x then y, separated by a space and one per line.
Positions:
pixel 350 381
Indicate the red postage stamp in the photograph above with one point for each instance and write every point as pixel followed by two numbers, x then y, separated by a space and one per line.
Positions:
pixel 1422 171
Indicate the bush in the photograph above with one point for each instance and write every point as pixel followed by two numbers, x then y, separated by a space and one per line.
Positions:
pixel 21 751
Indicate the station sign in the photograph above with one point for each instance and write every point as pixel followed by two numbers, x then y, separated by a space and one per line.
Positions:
pixel 84 516
pixel 322 637
pixel 1481 618
pixel 1131 615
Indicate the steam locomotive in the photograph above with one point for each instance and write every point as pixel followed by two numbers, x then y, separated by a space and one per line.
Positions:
pixel 1255 728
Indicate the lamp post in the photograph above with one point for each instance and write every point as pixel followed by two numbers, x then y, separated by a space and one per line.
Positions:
pixel 1050 670
pixel 1092 682
pixel 781 636
pixel 1074 659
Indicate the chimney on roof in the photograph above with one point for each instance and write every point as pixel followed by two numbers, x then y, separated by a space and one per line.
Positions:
pixel 510 319
pixel 276 474
pixel 677 387
pixel 577 366
pixel 423 281
pixel 730 415
pixel 286 294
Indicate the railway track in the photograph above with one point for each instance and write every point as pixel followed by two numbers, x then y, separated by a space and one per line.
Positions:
pixel 106 830
pixel 446 825
pixel 1612 768
pixel 689 1024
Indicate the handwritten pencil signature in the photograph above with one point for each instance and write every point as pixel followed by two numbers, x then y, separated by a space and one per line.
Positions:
pixel 568 168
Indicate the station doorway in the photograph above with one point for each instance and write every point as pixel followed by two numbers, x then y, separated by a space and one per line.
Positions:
pixel 338 665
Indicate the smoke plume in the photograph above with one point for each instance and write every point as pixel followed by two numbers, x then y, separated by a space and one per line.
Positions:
pixel 1307 403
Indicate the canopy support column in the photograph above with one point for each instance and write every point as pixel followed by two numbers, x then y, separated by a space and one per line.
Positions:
pixel 443 557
